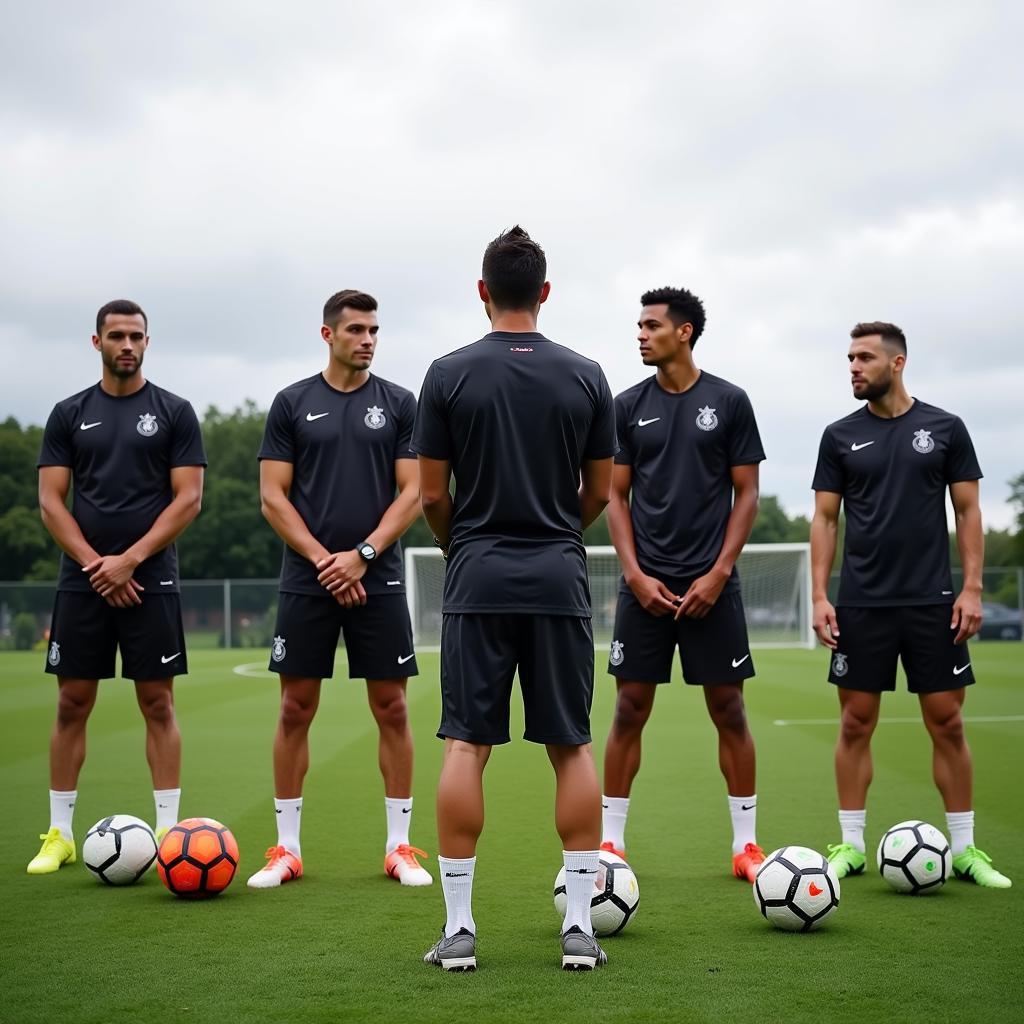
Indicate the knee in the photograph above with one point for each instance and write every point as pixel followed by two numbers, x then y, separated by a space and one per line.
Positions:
pixel 158 711
pixel 631 713
pixel 73 709
pixel 856 728
pixel 947 728
pixel 729 714
pixel 296 713
pixel 391 713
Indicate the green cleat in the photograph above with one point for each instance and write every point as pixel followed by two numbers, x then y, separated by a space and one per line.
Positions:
pixel 55 851
pixel 846 859
pixel 974 865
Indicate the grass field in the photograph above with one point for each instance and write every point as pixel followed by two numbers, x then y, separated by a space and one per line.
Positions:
pixel 344 944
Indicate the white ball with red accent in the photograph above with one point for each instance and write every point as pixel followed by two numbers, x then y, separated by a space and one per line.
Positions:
pixel 796 889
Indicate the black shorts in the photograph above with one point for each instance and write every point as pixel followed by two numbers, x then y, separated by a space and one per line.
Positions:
pixel 712 650
pixel 85 633
pixel 378 637
pixel 479 657
pixel 871 639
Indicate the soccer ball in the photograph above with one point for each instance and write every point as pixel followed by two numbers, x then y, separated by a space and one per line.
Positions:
pixel 119 849
pixel 914 857
pixel 616 895
pixel 197 858
pixel 796 889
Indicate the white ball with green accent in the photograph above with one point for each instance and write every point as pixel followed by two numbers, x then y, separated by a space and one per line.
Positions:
pixel 914 857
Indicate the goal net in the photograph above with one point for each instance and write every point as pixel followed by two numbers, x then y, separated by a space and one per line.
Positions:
pixel 775 578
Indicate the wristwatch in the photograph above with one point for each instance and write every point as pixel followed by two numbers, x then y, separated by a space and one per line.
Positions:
pixel 367 552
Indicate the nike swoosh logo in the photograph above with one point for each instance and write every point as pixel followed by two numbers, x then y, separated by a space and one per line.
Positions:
pixel 747 807
pixel 857 447
pixel 736 663
pixel 164 661
pixel 89 426
pixel 407 810
pixel 962 668
pixel 643 423
pixel 319 416
pixel 814 890
pixel 408 657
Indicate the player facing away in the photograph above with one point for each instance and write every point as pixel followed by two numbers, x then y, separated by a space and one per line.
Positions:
pixel 888 465
pixel 527 428
pixel 132 454
pixel 689 451
pixel 339 485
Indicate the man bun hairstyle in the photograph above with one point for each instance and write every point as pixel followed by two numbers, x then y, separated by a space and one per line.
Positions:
pixel 514 270
pixel 890 334
pixel 683 308
pixel 351 298
pixel 119 307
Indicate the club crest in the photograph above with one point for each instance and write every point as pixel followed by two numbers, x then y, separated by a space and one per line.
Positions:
pixel 923 442
pixel 375 418
pixel 277 650
pixel 615 658
pixel 706 418
pixel 54 656
pixel 147 425
pixel 839 665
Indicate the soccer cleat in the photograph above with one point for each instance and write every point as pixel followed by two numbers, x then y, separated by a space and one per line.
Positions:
pixel 401 863
pixel 453 953
pixel 55 852
pixel 745 864
pixel 580 951
pixel 160 833
pixel 282 866
pixel 609 847
pixel 846 859
pixel 974 865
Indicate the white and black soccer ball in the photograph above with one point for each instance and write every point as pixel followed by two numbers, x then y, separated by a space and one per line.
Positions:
pixel 796 889
pixel 616 895
pixel 914 857
pixel 119 849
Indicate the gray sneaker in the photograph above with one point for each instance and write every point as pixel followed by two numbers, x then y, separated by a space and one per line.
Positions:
pixel 453 953
pixel 580 952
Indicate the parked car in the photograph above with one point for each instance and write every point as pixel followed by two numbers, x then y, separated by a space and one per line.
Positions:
pixel 1000 623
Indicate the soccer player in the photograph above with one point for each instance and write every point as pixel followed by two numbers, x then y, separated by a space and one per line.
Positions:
pixel 527 428
pixel 889 465
pixel 688 456
pixel 339 485
pixel 133 456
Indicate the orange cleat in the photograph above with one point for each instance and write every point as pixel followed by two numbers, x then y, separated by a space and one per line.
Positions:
pixel 282 866
pixel 609 847
pixel 401 864
pixel 745 865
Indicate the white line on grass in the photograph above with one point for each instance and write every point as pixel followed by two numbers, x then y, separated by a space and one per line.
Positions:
pixel 253 670
pixel 896 721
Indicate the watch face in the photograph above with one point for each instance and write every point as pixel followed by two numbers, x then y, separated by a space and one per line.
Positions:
pixel 367 552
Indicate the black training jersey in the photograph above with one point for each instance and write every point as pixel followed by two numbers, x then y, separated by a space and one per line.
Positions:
pixel 121 451
pixel 892 475
pixel 343 446
pixel 516 415
pixel 681 448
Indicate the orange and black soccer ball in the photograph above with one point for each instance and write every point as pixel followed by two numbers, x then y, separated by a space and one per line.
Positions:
pixel 197 858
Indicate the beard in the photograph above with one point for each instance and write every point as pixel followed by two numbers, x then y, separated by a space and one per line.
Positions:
pixel 873 392
pixel 124 372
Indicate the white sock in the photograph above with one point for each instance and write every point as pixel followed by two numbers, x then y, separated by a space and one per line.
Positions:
pixel 399 814
pixel 743 810
pixel 457 884
pixel 580 874
pixel 288 813
pixel 62 810
pixel 167 801
pixel 961 830
pixel 613 820
pixel 852 823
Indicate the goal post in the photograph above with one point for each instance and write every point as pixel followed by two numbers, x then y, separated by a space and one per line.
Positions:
pixel 775 580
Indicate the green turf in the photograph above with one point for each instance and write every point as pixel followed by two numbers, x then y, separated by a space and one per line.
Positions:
pixel 344 944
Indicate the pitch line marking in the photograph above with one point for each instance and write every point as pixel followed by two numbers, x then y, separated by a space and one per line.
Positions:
pixel 253 670
pixel 896 721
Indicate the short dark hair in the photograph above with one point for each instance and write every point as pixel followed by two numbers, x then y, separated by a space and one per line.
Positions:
pixel 119 307
pixel 514 270
pixel 683 308
pixel 890 334
pixel 350 297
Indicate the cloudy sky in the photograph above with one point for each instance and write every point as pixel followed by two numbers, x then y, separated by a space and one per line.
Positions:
pixel 800 165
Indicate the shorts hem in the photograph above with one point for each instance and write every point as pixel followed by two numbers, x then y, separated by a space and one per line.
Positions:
pixel 559 741
pixel 467 737
pixel 623 677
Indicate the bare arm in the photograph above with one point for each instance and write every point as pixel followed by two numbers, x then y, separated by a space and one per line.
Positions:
pixel 824 532
pixel 970 539
pixel 705 591
pixel 275 483
pixel 54 484
pixel 436 499
pixel 595 488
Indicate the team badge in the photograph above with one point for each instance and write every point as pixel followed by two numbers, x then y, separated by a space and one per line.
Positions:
pixel 615 658
pixel 839 665
pixel 277 651
pixel 54 656
pixel 706 418
pixel 147 425
pixel 375 418
pixel 923 442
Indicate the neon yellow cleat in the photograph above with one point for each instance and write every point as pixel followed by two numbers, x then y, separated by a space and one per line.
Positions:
pixel 160 833
pixel 974 865
pixel 55 851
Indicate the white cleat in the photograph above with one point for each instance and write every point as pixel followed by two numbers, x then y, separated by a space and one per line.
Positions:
pixel 282 866
pixel 401 863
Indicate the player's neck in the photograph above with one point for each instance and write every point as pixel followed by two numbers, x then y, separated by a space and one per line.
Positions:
pixel 678 376
pixel 345 378
pixel 893 404
pixel 514 321
pixel 121 387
